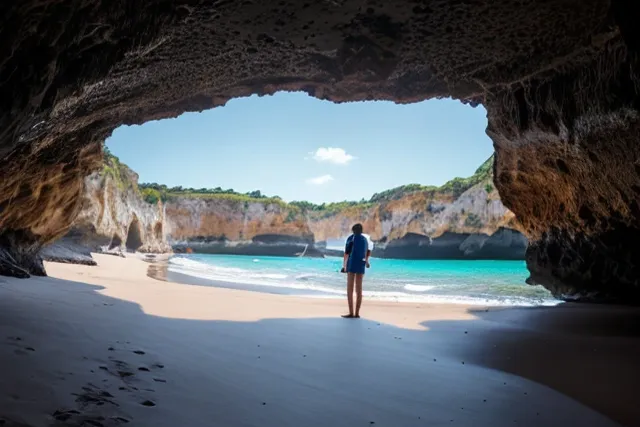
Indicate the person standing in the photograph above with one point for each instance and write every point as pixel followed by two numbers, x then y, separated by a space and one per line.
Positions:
pixel 356 258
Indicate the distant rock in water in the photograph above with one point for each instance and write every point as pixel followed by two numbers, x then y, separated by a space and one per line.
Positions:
pixel 505 244
pixel 261 245
pixel 416 246
pixel 322 248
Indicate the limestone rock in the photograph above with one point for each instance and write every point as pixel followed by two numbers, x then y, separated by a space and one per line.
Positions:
pixel 449 217
pixel 113 218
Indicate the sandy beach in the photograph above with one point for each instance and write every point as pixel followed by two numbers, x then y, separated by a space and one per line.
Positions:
pixel 110 346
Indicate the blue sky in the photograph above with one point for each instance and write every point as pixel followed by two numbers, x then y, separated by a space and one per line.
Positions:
pixel 301 148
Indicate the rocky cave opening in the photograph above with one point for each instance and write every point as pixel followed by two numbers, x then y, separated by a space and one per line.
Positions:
pixel 157 231
pixel 559 79
pixel 116 242
pixel 134 238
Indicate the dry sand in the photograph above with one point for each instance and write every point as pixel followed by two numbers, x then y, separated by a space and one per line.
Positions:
pixel 108 346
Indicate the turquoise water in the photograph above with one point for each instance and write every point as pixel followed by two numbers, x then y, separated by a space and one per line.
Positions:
pixel 469 282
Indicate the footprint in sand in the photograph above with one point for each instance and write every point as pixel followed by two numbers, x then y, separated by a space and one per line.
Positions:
pixel 23 350
pixel 64 415
pixel 121 369
pixel 127 373
pixel 92 395
pixel 73 417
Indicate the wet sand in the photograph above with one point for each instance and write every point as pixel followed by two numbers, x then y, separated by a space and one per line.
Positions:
pixel 109 346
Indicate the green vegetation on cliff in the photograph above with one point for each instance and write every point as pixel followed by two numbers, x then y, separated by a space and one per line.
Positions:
pixel 329 208
pixel 118 171
pixel 153 192
pixel 455 187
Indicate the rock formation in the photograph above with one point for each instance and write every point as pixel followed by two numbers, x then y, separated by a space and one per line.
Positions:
pixel 451 222
pixel 504 244
pixel 114 217
pixel 456 221
pixel 559 80
pixel 233 224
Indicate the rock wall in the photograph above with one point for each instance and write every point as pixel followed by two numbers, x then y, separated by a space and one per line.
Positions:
pixel 568 164
pixel 232 224
pixel 113 218
pixel 237 224
pixel 503 244
pixel 432 225
pixel 423 212
pixel 559 80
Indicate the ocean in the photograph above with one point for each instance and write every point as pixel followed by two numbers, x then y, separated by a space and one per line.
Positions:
pixel 437 281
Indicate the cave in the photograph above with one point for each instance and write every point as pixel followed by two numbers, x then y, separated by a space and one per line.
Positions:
pixel 157 231
pixel 134 238
pixel 116 242
pixel 560 81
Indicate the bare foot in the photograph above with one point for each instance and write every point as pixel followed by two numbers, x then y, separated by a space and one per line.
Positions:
pixel 357 316
pixel 347 316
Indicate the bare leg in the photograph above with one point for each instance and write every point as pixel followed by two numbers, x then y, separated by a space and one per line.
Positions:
pixel 350 281
pixel 359 278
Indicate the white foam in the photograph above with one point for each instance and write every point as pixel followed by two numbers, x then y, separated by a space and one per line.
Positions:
pixel 418 288
pixel 240 276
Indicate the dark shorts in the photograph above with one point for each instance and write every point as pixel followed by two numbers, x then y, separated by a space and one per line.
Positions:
pixel 356 267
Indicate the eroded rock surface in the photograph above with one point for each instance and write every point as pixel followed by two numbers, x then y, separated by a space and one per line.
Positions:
pixel 235 225
pixel 559 80
pixel 113 218
pixel 463 219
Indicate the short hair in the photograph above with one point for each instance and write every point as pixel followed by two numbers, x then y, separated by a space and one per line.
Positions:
pixel 357 228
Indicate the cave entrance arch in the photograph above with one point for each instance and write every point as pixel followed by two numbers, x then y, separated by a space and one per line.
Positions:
pixel 116 242
pixel 552 75
pixel 134 236
pixel 157 231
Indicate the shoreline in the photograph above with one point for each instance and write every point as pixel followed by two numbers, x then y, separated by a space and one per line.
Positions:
pixel 109 345
pixel 162 271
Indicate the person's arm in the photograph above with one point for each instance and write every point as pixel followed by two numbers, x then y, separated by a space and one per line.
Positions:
pixel 348 247
pixel 369 249
pixel 345 258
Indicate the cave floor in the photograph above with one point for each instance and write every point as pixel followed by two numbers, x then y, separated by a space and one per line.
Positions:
pixel 108 346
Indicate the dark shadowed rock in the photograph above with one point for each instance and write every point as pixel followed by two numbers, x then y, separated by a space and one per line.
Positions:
pixel 559 80
pixel 503 245
pixel 67 251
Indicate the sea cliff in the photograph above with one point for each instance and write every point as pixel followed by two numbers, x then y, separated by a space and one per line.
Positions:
pixel 463 219
pixel 114 218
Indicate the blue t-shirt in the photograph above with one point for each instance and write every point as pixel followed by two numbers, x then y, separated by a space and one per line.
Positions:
pixel 356 247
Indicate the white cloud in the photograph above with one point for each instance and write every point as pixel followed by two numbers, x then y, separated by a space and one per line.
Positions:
pixel 320 180
pixel 332 155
